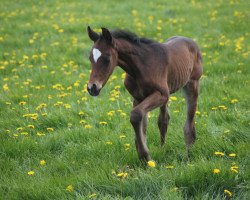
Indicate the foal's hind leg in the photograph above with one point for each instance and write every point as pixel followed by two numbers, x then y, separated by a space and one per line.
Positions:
pixel 163 120
pixel 191 95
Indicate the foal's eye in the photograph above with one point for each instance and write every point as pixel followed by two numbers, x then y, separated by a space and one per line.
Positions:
pixel 106 59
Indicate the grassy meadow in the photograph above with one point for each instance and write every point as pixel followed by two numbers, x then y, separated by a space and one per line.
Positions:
pixel 57 142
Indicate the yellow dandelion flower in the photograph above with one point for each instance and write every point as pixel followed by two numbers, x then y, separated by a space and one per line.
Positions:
pixel 40 134
pixel 134 13
pixel 31 126
pixel 150 18
pixel 123 114
pixel 31 173
pixel 77 83
pixel 218 153
pixel 24 133
pixel 151 163
pixel 31 41
pixel 232 155
pixel 42 162
pixel 34 56
pixel 84 98
pixel 222 107
pixel 33 117
pixel 81 113
pixel 82 122
pixel 111 113
pixel 5 87
pixel 234 101
pixel 226 131
pixel 42 105
pixel 174 189
pixel 70 125
pixel 234 170
pixel 50 129
pixel 123 75
pixel 25 57
pixel 69 88
pixel 173 98
pixel 67 106
pixel 109 143
pixel 44 67
pixel 87 126
pixel 122 175
pixel 92 195
pixel 103 123
pixel 228 193
pixel 22 103
pixel 112 99
pixel 126 146
pixel 197 112
pixel 222 44
pixel 159 28
pixel 216 171
pixel 61 30
pixel 70 188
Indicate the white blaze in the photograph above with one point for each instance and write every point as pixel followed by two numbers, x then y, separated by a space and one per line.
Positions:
pixel 96 54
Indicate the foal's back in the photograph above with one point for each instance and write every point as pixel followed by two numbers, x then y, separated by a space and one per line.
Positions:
pixel 184 62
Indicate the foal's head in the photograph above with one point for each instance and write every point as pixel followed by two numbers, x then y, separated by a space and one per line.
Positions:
pixel 103 58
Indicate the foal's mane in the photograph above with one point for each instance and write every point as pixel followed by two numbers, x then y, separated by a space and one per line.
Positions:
pixel 131 37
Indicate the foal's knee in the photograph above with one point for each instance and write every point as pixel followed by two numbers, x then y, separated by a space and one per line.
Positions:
pixel 136 116
pixel 164 99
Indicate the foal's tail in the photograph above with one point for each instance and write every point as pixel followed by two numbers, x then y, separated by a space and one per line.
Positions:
pixel 199 56
pixel 198 64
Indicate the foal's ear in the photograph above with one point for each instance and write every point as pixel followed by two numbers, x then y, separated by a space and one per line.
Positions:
pixel 107 35
pixel 92 34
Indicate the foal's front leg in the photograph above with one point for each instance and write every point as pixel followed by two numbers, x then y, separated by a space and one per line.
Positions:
pixel 144 125
pixel 138 114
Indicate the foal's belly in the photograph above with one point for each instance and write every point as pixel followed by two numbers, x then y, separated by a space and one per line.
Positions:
pixel 182 56
pixel 179 73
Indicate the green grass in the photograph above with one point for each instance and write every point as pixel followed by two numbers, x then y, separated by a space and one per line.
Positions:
pixel 44 44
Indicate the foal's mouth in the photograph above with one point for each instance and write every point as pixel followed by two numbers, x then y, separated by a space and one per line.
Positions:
pixel 94 93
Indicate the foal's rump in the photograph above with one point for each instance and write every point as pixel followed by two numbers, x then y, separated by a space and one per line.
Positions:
pixel 184 62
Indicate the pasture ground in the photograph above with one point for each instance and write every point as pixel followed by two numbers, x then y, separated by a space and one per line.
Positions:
pixel 57 142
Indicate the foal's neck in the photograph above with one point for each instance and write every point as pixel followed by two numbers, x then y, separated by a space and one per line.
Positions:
pixel 128 57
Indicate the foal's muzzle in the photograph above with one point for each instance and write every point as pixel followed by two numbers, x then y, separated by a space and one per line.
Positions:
pixel 93 89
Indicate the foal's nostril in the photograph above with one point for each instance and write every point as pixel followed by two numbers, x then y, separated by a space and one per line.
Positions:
pixel 94 87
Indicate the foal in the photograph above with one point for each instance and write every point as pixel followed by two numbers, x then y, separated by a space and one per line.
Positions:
pixel 153 71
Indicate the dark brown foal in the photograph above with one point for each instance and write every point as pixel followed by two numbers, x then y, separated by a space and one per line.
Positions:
pixel 153 71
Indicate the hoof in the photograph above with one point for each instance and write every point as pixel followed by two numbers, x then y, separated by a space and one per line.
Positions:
pixel 145 158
